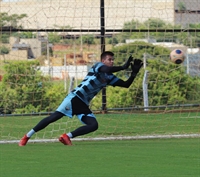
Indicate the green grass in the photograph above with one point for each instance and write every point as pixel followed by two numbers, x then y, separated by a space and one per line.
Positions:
pixel 13 128
pixel 121 158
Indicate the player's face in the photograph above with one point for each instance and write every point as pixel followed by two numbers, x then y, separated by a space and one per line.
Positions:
pixel 108 60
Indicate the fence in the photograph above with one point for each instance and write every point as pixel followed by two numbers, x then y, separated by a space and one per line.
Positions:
pixel 98 25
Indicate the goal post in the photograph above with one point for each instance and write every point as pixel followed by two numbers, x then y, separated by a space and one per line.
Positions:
pixel 145 84
pixel 145 91
pixel 48 47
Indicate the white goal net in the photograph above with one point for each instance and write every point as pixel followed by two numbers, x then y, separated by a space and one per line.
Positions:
pixel 48 46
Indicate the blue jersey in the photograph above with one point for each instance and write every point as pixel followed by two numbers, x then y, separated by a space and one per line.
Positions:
pixel 93 83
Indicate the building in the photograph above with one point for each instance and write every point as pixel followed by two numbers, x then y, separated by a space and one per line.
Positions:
pixel 85 14
pixel 23 49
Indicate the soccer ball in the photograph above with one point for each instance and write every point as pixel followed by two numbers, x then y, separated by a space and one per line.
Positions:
pixel 177 56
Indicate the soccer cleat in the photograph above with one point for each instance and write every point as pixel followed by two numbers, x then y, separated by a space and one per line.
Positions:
pixel 24 140
pixel 65 140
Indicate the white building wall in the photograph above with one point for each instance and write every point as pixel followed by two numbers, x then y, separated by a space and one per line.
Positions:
pixel 85 14
pixel 78 72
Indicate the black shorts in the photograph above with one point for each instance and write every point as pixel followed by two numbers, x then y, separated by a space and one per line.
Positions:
pixel 79 107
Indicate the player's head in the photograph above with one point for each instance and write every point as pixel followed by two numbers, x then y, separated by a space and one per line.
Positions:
pixel 107 58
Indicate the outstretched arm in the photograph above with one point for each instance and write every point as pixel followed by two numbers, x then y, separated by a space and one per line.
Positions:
pixel 112 69
pixel 107 69
pixel 135 69
pixel 126 83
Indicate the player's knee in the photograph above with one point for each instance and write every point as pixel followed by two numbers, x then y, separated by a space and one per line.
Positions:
pixel 91 122
pixel 94 126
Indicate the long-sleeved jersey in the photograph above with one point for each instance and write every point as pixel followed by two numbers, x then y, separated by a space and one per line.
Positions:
pixel 93 83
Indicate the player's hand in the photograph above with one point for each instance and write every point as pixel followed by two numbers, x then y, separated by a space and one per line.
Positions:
pixel 136 65
pixel 128 62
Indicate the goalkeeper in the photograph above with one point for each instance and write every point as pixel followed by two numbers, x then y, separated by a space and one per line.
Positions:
pixel 77 101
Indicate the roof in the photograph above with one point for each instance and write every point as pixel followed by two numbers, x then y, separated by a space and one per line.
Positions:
pixel 21 46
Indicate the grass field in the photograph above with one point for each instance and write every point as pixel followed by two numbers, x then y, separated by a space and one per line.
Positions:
pixel 175 157
pixel 133 158
pixel 13 128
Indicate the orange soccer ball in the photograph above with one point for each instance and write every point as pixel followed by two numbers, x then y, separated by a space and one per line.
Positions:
pixel 177 56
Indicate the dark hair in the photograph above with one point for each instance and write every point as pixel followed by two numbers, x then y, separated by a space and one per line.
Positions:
pixel 104 54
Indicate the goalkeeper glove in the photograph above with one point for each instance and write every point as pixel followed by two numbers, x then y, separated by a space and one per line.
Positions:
pixel 136 66
pixel 128 62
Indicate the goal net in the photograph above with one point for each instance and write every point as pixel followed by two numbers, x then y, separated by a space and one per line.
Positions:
pixel 47 48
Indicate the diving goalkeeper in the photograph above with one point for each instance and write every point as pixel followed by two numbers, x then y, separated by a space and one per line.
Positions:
pixel 77 101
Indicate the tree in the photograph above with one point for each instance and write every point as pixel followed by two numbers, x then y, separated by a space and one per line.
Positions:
pixel 181 7
pixel 23 86
pixel 190 39
pixel 137 49
pixel 4 50
pixel 154 23
pixel 88 39
pixel 151 23
pixel 11 20
pixel 25 35
pixel 54 38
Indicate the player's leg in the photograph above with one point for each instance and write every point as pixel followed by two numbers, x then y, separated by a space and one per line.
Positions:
pixel 85 115
pixel 41 125
pixel 91 125
pixel 46 121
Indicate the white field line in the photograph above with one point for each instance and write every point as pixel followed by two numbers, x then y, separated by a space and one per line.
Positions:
pixel 108 138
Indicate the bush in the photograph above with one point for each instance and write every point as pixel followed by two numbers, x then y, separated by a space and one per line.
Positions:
pixel 4 50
